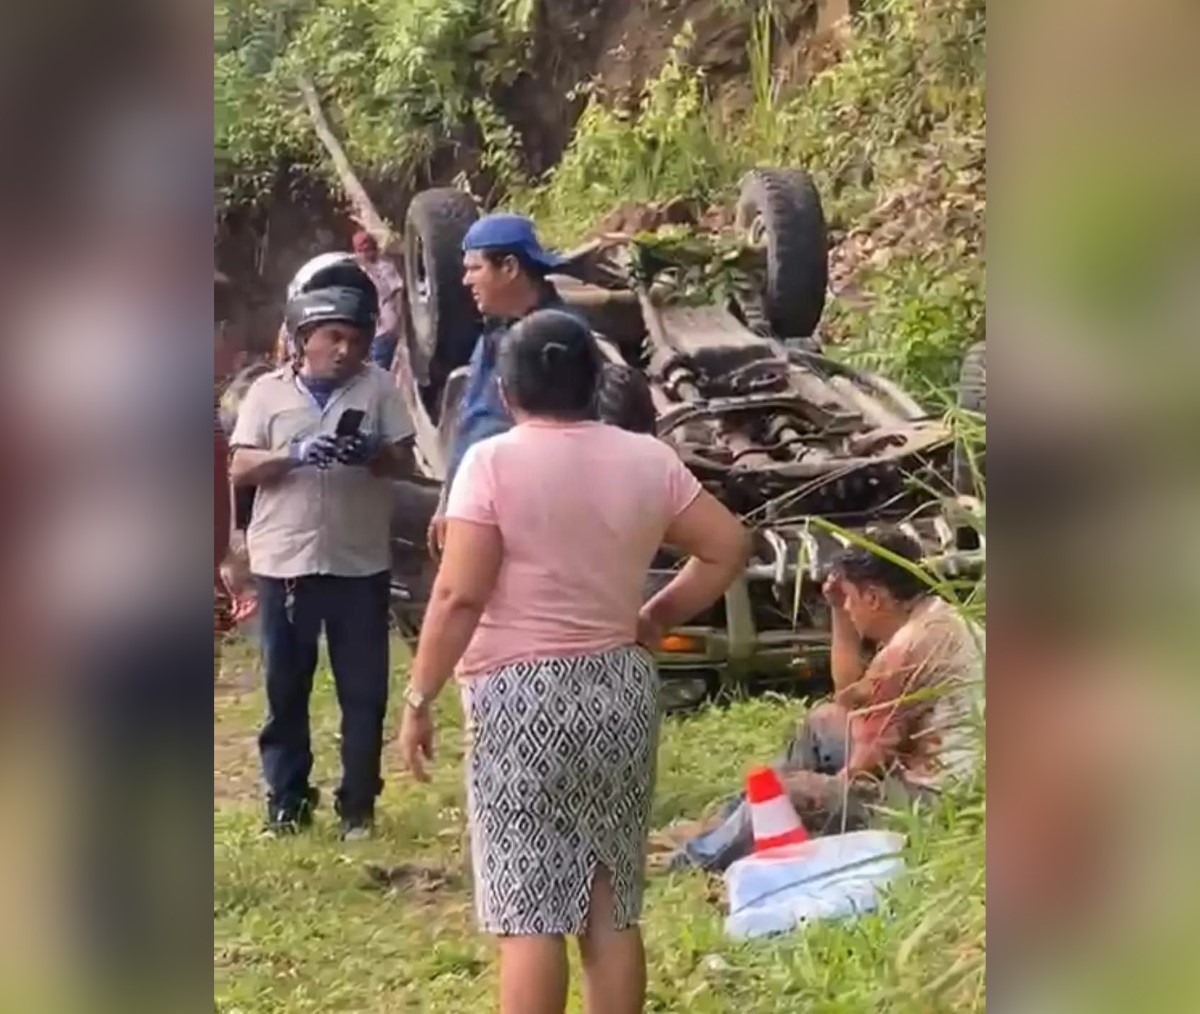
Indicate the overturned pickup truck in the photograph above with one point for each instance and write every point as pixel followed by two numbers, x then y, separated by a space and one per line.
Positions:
pixel 722 325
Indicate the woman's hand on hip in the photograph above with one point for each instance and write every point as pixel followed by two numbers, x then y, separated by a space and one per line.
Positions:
pixel 649 631
pixel 435 536
pixel 416 741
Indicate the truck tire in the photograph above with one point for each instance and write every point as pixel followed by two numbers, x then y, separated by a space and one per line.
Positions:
pixel 682 691
pixel 972 397
pixel 445 321
pixel 782 209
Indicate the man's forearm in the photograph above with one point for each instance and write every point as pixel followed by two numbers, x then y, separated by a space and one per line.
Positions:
pixel 395 461
pixel 845 653
pixel 259 468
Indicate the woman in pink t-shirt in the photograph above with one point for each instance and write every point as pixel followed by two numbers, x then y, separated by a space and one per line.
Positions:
pixel 539 608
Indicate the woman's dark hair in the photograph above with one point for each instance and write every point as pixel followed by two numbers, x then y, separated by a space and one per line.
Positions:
pixel 550 366
pixel 860 566
pixel 624 399
pixel 497 255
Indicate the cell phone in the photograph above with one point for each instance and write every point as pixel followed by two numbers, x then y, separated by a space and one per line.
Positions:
pixel 349 423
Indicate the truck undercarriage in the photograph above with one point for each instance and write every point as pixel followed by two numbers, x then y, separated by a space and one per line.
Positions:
pixel 722 329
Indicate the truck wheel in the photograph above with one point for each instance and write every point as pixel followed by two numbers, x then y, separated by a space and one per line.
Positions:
pixel 972 397
pixel 681 691
pixel 780 209
pixel 445 321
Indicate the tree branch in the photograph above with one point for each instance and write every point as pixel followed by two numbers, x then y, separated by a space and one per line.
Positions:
pixel 364 210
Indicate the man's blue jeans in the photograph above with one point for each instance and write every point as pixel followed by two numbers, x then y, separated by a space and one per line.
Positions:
pixel 819 745
pixel 354 614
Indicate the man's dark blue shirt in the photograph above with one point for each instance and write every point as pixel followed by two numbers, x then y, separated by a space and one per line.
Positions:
pixel 482 413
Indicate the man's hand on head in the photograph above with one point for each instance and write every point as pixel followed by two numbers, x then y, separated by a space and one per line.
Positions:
pixel 834 591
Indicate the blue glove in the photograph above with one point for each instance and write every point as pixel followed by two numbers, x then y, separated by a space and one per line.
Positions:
pixel 358 449
pixel 320 450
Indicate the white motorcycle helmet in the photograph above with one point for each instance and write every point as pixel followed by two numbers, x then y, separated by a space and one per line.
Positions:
pixel 302 278
pixel 337 268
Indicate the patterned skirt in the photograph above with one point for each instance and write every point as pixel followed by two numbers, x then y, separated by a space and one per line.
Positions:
pixel 560 775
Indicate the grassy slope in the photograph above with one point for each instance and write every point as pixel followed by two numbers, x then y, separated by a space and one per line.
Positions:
pixel 299 926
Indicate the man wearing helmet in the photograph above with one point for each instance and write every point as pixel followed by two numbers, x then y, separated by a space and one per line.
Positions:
pixel 321 438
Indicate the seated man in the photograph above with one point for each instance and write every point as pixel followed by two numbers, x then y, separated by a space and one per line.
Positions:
pixel 900 724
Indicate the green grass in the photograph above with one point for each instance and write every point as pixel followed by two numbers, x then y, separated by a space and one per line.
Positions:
pixel 300 927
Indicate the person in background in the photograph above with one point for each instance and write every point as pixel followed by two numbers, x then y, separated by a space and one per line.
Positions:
pixel 281 350
pixel 318 539
pixel 538 607
pixel 902 724
pixel 505 267
pixel 624 399
pixel 388 284
pixel 225 349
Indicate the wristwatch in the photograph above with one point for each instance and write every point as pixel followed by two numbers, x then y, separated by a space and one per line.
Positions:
pixel 415 699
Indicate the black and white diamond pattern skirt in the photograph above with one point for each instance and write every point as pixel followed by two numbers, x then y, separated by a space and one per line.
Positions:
pixel 560 775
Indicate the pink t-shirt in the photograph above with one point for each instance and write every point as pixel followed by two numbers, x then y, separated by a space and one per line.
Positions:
pixel 582 509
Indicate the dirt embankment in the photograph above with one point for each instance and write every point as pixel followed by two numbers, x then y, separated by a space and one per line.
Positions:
pixel 615 47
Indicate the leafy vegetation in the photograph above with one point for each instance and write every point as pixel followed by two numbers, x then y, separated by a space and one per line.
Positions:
pixel 395 78
pixel 913 74
pixel 914 324
pixel 905 102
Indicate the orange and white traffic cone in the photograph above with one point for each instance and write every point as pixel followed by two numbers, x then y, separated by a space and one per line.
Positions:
pixel 774 819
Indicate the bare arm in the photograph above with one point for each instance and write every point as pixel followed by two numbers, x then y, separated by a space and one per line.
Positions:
pixel 464 584
pixel 846 658
pixel 251 467
pixel 394 461
pixel 254 462
pixel 395 458
pixel 718 545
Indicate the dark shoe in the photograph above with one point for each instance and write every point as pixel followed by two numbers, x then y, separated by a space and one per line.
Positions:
pixel 357 823
pixel 290 816
pixel 718 848
pixel 357 828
